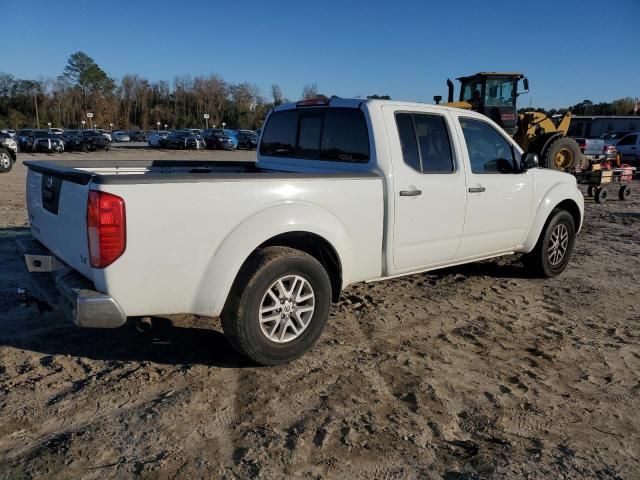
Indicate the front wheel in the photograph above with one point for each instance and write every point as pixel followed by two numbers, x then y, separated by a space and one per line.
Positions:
pixel 563 154
pixel 278 305
pixel 5 161
pixel 553 251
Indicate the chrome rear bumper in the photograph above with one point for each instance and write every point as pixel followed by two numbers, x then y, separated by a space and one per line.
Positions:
pixel 66 290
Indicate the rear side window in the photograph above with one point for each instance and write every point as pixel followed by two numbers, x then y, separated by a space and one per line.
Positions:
pixel 425 142
pixel 333 134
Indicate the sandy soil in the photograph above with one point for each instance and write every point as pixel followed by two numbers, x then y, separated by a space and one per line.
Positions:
pixel 469 373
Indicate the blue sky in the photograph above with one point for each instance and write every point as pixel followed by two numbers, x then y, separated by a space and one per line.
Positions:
pixel 570 50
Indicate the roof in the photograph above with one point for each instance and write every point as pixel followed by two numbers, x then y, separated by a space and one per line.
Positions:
pixel 484 74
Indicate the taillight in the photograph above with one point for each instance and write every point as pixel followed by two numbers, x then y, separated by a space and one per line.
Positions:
pixel 582 146
pixel 106 228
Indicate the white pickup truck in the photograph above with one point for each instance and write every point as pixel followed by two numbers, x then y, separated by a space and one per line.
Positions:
pixel 343 191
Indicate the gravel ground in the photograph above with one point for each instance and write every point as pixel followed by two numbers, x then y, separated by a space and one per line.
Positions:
pixel 468 373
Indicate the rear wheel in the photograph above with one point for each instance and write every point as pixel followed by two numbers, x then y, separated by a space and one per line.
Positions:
pixel 601 195
pixel 563 154
pixel 553 251
pixel 624 193
pixel 590 190
pixel 278 305
pixel 5 161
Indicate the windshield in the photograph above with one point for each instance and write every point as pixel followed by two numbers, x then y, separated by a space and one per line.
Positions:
pixel 471 89
pixel 499 92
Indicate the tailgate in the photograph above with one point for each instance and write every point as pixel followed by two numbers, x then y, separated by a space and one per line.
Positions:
pixel 57 207
pixel 594 147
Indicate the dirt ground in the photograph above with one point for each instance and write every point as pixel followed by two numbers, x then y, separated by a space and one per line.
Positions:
pixel 469 373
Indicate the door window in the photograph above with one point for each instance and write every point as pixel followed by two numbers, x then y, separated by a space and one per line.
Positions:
pixel 489 151
pixel 425 143
pixel 628 140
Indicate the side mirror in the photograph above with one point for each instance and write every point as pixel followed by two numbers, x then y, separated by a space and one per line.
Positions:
pixel 530 160
pixel 525 82
pixel 437 99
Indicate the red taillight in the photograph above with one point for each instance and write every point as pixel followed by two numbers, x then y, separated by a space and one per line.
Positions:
pixel 106 228
pixel 582 146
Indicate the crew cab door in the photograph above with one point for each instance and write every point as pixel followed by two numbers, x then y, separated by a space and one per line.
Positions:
pixel 499 195
pixel 428 188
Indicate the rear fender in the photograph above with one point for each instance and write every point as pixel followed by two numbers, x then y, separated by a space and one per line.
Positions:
pixel 240 243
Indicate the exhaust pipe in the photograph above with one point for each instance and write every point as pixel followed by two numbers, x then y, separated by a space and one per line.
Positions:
pixel 144 324
pixel 450 87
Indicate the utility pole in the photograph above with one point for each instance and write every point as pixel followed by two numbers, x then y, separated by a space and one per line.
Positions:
pixel 35 101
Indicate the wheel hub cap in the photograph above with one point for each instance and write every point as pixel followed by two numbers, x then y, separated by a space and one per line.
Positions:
pixel 564 158
pixel 286 308
pixel 558 244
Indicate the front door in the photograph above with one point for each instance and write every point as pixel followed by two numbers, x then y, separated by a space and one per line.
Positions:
pixel 428 188
pixel 500 197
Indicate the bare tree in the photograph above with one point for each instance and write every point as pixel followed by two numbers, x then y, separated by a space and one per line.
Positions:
pixel 276 93
pixel 309 91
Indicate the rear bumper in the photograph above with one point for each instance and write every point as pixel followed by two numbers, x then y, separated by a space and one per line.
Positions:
pixel 66 290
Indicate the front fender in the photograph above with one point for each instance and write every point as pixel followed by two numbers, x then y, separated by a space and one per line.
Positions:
pixel 547 196
pixel 263 225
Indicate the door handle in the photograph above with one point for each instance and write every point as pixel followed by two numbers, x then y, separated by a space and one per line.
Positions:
pixel 410 193
pixel 477 189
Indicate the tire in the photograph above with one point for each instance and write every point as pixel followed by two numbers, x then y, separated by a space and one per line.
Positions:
pixel 270 342
pixel 542 261
pixel 84 148
pixel 624 193
pixel 590 191
pixel 601 195
pixel 5 161
pixel 563 154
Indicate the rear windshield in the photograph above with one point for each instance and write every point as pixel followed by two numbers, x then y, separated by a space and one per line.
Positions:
pixel 334 134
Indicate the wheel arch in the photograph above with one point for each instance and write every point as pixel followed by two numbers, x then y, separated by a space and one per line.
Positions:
pixel 563 197
pixel 307 227
pixel 316 246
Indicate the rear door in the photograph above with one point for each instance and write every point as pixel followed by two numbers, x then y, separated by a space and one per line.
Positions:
pixel 499 200
pixel 428 188
pixel 57 209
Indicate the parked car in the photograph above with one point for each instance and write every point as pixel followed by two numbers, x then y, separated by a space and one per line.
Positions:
pixel 57 131
pixel 182 140
pixel 8 152
pixel 91 140
pixel 217 140
pixel 46 141
pixel 343 191
pixel 9 131
pixel 137 135
pixel 119 136
pixel 153 139
pixel 597 150
pixel 629 148
pixel 103 132
pixel 229 133
pixel 25 139
pixel 248 140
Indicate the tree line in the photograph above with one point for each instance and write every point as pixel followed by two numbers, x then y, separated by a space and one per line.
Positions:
pixel 133 102
pixel 621 106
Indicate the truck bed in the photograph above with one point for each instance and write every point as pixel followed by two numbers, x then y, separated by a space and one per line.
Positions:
pixel 189 224
pixel 111 172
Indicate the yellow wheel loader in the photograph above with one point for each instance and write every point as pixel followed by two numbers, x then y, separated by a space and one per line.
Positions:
pixel 494 94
